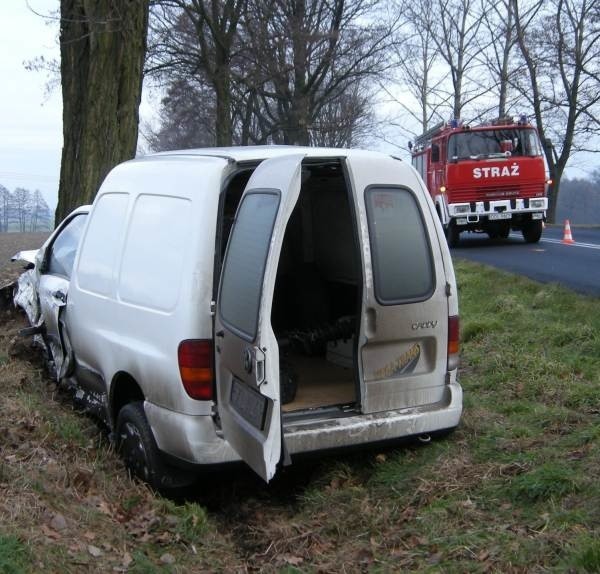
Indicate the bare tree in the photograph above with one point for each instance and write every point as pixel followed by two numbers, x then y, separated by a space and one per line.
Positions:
pixel 5 207
pixel 187 117
pixel 346 122
pixel 191 38
pixel 102 52
pixel 559 41
pixel 498 49
pixel 417 61
pixel 306 55
pixel 274 68
pixel 21 200
pixel 454 31
pixel 39 212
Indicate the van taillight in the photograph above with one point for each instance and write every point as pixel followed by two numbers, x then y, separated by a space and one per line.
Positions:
pixel 453 342
pixel 195 358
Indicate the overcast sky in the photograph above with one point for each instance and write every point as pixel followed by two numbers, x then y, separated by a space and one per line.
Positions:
pixel 30 120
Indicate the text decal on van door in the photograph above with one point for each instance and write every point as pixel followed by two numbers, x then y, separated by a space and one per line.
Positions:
pixel 403 365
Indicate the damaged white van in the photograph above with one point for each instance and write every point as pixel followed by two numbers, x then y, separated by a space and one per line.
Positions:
pixel 257 303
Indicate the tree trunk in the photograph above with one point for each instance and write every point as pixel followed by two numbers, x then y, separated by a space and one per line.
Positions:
pixel 103 44
pixel 504 73
pixel 223 120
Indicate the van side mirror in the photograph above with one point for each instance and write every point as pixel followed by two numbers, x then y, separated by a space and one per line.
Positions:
pixel 435 152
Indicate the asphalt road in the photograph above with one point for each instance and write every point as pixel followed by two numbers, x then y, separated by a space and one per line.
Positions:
pixel 574 266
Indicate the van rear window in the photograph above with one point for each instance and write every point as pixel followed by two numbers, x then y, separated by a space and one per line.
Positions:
pixel 401 254
pixel 245 260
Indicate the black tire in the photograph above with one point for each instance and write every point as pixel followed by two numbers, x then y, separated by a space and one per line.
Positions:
pixel 452 234
pixel 137 448
pixel 532 231
pixel 504 231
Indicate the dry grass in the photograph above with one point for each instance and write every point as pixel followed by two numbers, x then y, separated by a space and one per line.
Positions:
pixel 515 489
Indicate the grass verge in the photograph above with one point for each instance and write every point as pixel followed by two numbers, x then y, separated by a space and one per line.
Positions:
pixel 515 489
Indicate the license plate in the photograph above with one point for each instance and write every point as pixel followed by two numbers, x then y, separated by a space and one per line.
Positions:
pixel 250 404
pixel 503 215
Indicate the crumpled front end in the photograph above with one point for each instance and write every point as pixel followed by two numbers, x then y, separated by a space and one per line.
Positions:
pixel 25 296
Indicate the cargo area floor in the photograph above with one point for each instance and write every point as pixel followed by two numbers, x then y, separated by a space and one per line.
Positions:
pixel 320 383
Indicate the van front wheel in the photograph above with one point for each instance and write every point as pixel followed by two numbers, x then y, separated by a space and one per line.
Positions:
pixel 137 448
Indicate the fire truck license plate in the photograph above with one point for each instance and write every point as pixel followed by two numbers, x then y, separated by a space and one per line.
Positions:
pixel 500 216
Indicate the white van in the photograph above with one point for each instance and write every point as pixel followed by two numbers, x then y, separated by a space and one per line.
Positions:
pixel 255 303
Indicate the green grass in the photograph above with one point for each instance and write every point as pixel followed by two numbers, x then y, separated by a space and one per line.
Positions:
pixel 515 489
pixel 586 554
pixel 14 555
pixel 190 520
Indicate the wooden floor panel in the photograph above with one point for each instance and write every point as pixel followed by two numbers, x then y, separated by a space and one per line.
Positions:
pixel 320 383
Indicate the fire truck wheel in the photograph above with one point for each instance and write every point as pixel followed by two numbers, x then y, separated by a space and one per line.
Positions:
pixel 532 231
pixel 452 234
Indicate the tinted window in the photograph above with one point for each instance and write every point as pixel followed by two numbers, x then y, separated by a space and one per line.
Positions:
pixel 243 270
pixel 402 261
pixel 64 247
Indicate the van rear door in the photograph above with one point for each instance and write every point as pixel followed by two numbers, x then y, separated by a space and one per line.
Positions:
pixel 404 327
pixel 246 351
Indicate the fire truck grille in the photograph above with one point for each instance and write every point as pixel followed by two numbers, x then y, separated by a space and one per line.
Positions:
pixel 467 194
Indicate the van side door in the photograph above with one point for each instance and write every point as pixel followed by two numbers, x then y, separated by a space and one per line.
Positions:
pixel 246 350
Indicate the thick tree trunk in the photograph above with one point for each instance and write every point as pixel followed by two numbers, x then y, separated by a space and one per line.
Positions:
pixel 103 44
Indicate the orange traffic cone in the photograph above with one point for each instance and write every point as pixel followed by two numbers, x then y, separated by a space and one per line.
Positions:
pixel 567 237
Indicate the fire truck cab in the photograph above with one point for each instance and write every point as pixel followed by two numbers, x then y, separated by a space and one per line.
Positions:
pixel 488 178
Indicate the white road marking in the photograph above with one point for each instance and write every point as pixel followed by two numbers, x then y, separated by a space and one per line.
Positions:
pixel 576 244
pixel 559 242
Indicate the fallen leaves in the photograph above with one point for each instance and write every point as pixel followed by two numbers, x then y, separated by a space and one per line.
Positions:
pixel 94 551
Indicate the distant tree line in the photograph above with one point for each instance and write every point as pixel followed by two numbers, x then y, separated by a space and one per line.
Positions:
pixel 580 200
pixel 24 210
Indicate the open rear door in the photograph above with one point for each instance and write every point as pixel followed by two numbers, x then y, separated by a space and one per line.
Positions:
pixel 404 331
pixel 246 351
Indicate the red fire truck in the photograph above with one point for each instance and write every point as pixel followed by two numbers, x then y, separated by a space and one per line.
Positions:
pixel 487 178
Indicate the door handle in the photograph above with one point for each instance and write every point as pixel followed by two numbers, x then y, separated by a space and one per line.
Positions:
pixel 60 296
pixel 220 334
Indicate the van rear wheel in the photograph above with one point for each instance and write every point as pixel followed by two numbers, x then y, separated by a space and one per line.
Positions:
pixel 137 448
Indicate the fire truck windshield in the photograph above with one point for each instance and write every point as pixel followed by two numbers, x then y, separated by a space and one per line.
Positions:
pixel 477 144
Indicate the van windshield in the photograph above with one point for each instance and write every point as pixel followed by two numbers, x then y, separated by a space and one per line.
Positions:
pixel 494 143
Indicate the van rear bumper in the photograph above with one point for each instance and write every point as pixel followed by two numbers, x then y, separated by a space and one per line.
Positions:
pixel 376 427
pixel 194 439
